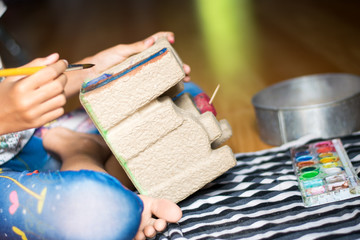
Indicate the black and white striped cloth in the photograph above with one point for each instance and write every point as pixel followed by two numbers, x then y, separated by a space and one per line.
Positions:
pixel 259 199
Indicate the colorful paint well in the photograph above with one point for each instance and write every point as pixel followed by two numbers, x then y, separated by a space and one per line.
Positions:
pixel 309 175
pixel 317 182
pixel 326 154
pixel 309 169
pixel 301 153
pixel 332 171
pixel 325 149
pixel 336 178
pixel 315 191
pixel 328 160
pixel 305 164
pixel 324 172
pixel 304 158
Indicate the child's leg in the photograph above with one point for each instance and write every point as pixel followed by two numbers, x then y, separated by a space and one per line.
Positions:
pixel 76 150
pixel 84 151
pixel 66 205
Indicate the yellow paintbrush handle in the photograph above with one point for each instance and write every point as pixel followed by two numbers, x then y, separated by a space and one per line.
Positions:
pixel 19 71
pixel 32 70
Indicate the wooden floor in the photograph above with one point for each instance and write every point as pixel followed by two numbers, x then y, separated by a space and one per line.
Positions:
pixel 243 45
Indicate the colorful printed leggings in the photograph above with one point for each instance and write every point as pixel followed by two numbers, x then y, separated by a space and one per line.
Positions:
pixel 49 204
pixel 66 205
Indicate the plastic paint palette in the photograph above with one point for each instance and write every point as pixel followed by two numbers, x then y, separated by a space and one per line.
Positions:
pixel 325 173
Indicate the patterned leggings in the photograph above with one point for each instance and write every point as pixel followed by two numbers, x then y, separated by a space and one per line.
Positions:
pixel 66 205
pixel 39 202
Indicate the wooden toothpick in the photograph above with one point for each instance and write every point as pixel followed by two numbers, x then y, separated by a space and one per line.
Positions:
pixel 214 94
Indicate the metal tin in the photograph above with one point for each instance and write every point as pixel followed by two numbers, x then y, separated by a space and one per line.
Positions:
pixel 322 105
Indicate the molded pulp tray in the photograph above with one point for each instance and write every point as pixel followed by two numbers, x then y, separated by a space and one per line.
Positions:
pixel 322 105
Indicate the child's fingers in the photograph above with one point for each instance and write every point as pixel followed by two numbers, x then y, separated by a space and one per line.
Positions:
pixel 153 38
pixel 50 116
pixel 46 111
pixel 131 49
pixel 45 75
pixel 169 35
pixel 187 71
pixel 52 104
pixel 186 68
pixel 50 90
pixel 48 98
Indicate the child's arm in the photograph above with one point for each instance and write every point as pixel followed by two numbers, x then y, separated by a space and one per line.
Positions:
pixel 32 101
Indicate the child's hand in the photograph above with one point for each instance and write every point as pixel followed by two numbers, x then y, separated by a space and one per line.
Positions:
pixel 112 56
pixel 32 101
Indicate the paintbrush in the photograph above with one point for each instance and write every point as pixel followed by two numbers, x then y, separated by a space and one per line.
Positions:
pixel 214 94
pixel 32 70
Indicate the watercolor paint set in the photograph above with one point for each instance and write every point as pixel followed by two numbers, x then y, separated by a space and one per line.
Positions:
pixel 324 172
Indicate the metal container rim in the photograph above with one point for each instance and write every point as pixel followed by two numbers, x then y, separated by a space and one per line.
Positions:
pixel 286 82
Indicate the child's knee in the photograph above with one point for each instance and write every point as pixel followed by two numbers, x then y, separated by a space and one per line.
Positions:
pixel 68 205
pixel 94 206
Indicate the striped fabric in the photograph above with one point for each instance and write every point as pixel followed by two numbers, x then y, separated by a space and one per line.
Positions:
pixel 259 199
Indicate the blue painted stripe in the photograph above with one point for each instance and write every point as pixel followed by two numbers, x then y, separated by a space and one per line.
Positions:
pixel 106 78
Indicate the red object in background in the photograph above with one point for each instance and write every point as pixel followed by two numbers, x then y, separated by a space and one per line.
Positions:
pixel 202 103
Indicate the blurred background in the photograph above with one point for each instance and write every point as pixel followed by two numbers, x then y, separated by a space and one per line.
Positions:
pixel 243 45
